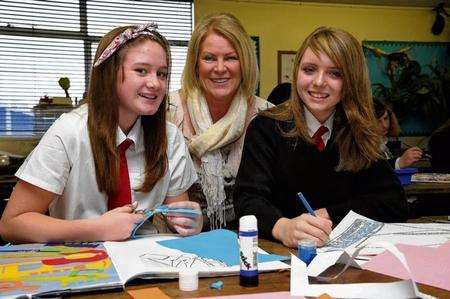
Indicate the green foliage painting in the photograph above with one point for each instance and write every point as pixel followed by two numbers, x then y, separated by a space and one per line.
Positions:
pixel 414 78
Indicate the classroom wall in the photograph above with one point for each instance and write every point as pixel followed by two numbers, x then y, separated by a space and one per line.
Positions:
pixel 282 25
pixel 18 146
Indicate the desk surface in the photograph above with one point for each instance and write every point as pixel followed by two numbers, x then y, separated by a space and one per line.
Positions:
pixel 427 188
pixel 268 282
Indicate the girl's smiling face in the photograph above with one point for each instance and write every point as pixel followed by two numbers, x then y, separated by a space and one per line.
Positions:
pixel 319 84
pixel 141 82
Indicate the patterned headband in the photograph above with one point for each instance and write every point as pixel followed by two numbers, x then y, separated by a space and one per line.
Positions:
pixel 129 34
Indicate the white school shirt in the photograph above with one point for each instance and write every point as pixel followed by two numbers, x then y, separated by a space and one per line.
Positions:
pixel 62 163
pixel 313 125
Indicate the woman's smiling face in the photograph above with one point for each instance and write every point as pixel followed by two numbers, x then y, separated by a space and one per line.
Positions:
pixel 219 68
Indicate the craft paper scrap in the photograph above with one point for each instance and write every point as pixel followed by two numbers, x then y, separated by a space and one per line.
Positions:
pixel 219 244
pixel 271 295
pixel 153 293
pixel 426 264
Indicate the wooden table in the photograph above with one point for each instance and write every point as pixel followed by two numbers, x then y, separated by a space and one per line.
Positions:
pixel 427 188
pixel 268 282
pixel 428 199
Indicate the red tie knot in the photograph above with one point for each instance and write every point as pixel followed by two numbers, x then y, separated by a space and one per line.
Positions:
pixel 317 137
pixel 125 145
pixel 320 131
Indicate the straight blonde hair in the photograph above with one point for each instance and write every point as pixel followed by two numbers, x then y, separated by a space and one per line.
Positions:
pixel 229 27
pixel 357 134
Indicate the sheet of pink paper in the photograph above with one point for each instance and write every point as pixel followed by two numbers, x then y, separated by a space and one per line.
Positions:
pixel 428 265
pixel 271 295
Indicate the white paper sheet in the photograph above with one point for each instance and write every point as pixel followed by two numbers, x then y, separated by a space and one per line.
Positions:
pixel 146 258
pixel 325 260
pixel 355 231
pixel 396 290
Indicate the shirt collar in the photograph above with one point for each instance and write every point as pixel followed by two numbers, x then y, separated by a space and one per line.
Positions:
pixel 313 124
pixel 135 134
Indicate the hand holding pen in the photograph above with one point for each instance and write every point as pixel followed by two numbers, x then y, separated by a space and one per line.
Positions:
pixel 313 225
pixel 410 156
pixel 424 154
pixel 323 221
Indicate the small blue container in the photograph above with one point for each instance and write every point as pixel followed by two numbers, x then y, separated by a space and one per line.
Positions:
pixel 405 174
pixel 306 251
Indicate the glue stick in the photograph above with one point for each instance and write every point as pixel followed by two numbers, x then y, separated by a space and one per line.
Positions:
pixel 248 251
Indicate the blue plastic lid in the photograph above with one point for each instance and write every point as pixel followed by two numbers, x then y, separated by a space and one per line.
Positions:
pixel 406 170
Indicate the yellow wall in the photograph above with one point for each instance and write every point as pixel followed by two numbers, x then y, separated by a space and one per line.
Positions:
pixel 282 25
pixel 18 146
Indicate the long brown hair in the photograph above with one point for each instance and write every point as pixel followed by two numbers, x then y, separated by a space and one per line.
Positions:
pixel 380 109
pixel 103 118
pixel 357 134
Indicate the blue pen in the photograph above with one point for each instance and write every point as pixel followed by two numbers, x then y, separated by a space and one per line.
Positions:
pixel 306 204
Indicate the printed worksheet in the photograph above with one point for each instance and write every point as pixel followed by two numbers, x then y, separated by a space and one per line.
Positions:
pixel 355 231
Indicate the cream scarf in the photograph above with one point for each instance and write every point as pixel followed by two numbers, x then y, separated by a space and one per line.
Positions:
pixel 206 145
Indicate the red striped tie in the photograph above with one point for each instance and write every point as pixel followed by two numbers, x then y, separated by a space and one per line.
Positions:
pixel 123 194
pixel 317 137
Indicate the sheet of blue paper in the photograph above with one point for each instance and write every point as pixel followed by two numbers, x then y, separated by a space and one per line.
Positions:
pixel 219 244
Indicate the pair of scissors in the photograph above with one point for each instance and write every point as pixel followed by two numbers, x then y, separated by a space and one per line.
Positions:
pixel 164 210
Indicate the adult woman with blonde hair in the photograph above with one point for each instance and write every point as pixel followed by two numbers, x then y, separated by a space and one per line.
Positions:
pixel 98 164
pixel 213 108
pixel 323 142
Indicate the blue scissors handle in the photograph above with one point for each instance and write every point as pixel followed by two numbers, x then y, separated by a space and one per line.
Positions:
pixel 164 209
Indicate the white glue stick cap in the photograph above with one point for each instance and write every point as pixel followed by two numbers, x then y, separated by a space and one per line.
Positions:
pixel 188 279
pixel 248 223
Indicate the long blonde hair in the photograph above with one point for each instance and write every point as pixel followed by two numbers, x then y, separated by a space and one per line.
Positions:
pixel 103 118
pixel 229 27
pixel 357 135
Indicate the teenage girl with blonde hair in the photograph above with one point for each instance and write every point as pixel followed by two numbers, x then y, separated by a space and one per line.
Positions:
pixel 323 142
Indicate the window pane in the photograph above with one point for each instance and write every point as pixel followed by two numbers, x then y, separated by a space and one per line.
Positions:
pixel 30 68
pixel 174 18
pixel 35 14
pixel 42 41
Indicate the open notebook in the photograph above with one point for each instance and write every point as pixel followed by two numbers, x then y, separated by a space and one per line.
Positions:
pixel 76 267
